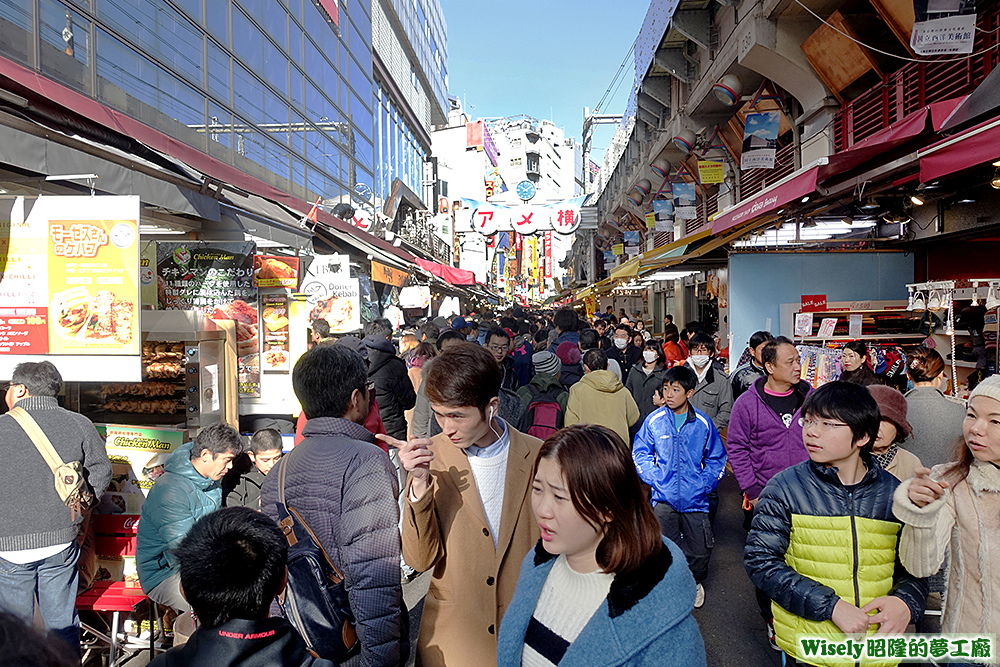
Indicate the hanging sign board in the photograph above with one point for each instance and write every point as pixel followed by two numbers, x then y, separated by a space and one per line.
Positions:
pixel 760 140
pixel 711 172
pixel 332 296
pixel 388 275
pixel 813 303
pixel 276 271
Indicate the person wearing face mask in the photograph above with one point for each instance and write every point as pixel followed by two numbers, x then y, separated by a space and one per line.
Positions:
pixel 714 394
pixel 467 515
pixel 624 352
pixel 645 379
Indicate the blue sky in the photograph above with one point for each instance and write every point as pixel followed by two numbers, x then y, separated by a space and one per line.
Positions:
pixel 545 58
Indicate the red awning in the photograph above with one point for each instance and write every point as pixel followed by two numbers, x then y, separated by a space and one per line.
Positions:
pixel 767 200
pixel 450 274
pixel 891 137
pixel 971 148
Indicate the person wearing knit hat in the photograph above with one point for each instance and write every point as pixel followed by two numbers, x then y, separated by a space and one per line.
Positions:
pixel 544 386
pixel 893 431
pixel 546 362
pixel 949 517
pixel 572 369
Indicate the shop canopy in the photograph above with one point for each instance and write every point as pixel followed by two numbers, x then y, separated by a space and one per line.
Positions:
pixel 968 149
pixel 795 185
pixel 451 274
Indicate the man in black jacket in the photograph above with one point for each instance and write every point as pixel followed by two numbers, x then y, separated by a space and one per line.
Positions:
pixel 624 352
pixel 232 566
pixel 38 532
pixel 393 387
pixel 345 488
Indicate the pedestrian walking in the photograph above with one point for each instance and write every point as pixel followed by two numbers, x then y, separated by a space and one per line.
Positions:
pixel 645 380
pixel 713 395
pixel 602 585
pixel 745 376
pixel 679 454
pixel 937 420
pixel 467 512
pixel 951 512
pixel 600 398
pixel 839 563
pixel 38 532
pixel 345 489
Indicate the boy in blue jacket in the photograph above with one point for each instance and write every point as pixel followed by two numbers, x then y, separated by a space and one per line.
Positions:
pixel 679 453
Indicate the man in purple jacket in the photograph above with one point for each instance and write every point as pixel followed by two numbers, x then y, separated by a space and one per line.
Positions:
pixel 765 436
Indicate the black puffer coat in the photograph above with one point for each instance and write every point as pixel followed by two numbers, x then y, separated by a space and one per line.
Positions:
pixel 393 387
pixel 844 545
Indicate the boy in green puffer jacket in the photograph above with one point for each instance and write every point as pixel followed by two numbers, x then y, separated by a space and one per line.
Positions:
pixel 824 542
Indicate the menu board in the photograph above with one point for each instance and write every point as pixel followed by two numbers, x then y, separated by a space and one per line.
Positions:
pixel 274 314
pixel 217 279
pixel 69 276
pixel 276 271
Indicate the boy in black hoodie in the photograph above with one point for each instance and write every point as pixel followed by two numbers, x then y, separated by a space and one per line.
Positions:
pixel 232 567
pixel 241 485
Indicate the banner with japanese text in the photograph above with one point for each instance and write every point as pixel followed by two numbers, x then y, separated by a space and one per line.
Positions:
pixel 685 201
pixel 276 271
pixel 216 278
pixel 943 26
pixel 760 140
pixel 548 254
pixel 69 276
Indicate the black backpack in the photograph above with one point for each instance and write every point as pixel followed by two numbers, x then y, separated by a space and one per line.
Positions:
pixel 315 600
pixel 544 415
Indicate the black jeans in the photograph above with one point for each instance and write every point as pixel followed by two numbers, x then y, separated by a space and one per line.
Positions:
pixel 690 531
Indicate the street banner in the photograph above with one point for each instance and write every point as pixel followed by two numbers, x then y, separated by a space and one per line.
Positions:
pixel 618 249
pixel 388 275
pixel 943 27
pixel 548 255
pixel 711 172
pixel 685 203
pixel 332 296
pixel 217 279
pixel 276 271
pixel 562 217
pixel 650 220
pixel 415 296
pixel 760 140
pixel 69 278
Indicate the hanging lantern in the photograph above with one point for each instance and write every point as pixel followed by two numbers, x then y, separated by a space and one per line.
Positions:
pixel 727 90
pixel 685 140
pixel 644 186
pixel 634 198
pixel 661 167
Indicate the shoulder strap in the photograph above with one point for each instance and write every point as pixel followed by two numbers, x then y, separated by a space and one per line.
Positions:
pixel 37 436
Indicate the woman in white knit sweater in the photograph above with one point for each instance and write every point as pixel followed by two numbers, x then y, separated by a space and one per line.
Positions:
pixel 954 509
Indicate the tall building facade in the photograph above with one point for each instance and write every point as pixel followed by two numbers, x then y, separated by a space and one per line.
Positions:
pixel 281 90
pixel 411 79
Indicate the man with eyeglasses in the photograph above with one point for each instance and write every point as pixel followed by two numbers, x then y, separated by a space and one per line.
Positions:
pixel 765 436
pixel 498 345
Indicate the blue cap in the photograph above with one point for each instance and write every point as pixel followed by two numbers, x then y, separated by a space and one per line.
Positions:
pixel 459 323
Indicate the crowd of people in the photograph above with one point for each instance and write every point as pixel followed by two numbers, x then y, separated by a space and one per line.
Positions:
pixel 557 477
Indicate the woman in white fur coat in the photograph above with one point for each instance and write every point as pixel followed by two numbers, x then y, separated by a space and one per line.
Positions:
pixel 954 509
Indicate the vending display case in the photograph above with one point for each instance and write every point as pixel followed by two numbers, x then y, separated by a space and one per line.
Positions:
pixel 188 376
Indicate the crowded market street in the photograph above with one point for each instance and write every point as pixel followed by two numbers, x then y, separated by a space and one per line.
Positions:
pixel 460 334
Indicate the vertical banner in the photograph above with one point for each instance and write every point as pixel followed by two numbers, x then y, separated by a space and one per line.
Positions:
pixel 685 203
pixel 332 295
pixel 548 254
pixel 760 140
pixel 663 209
pixel 217 279
pixel 274 313
pixel 632 241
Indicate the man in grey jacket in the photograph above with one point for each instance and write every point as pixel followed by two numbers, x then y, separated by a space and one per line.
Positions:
pixel 38 533
pixel 345 488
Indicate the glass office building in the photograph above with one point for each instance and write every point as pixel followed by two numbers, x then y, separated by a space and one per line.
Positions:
pixel 280 89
